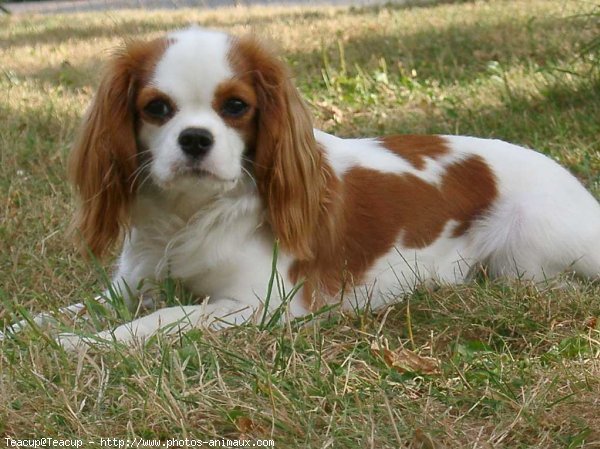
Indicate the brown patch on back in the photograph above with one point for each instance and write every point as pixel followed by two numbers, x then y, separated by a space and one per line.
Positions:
pixel 384 204
pixel 377 209
pixel 416 148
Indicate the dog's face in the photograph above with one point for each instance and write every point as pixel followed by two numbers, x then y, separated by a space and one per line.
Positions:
pixel 195 112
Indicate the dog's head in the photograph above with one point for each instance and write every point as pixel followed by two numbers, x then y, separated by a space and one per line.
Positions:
pixel 197 111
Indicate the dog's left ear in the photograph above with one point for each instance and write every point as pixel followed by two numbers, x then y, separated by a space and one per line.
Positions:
pixel 288 162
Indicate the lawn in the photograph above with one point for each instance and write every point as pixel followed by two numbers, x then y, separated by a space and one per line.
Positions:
pixel 508 365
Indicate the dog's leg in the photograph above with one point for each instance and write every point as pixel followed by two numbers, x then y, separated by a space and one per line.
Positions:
pixel 170 320
pixel 45 319
pixel 124 285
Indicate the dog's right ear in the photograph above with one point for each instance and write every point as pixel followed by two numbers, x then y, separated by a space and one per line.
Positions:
pixel 104 159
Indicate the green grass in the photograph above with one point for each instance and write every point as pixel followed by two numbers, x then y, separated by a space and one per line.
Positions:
pixel 519 366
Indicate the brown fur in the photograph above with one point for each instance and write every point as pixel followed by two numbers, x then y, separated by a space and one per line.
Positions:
pixel 377 208
pixel 416 148
pixel 241 88
pixel 287 162
pixel 104 156
pixel 336 228
pixel 146 95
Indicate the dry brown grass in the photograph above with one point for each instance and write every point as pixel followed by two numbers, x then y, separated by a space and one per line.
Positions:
pixel 519 366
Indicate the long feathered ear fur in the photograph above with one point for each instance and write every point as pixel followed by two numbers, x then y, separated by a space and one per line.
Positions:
pixel 288 164
pixel 104 157
pixel 103 160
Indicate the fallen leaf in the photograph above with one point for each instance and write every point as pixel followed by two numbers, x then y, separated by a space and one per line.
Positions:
pixel 403 360
pixel 423 441
pixel 244 424
pixel 591 322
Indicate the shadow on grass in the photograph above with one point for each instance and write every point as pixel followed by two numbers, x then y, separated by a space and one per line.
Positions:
pixel 457 52
pixel 79 31
pixel 556 112
pixel 446 55
pixel 69 29
pixel 42 136
pixel 127 28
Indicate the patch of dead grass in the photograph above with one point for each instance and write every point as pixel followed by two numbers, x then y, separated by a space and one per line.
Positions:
pixel 518 364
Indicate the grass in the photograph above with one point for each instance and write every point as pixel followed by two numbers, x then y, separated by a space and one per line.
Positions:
pixel 516 366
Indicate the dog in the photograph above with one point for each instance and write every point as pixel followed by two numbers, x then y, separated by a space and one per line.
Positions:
pixel 200 154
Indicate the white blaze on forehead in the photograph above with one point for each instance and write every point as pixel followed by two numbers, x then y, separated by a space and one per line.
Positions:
pixel 193 65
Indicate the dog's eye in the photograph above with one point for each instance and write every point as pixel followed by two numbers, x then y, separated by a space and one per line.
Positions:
pixel 158 109
pixel 234 107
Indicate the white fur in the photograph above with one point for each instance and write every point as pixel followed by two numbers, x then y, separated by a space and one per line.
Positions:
pixel 343 154
pixel 211 233
pixel 189 72
pixel 544 223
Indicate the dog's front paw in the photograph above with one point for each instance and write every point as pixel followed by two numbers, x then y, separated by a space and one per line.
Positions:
pixel 72 342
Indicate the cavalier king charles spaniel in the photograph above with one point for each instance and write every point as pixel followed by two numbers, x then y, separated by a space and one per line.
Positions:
pixel 200 153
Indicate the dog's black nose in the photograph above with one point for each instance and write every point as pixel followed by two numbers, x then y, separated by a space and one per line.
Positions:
pixel 196 142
